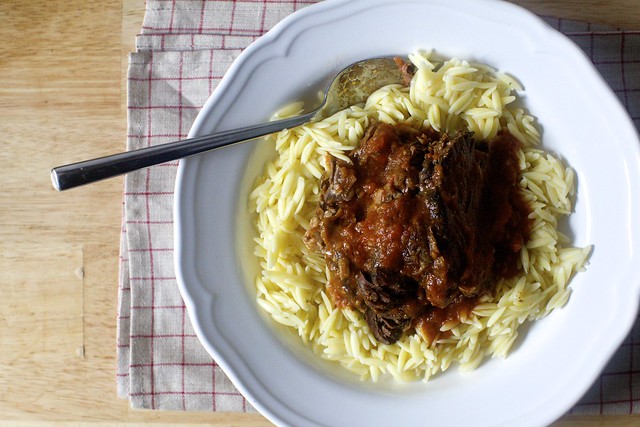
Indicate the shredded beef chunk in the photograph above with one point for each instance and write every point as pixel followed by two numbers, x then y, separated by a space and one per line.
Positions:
pixel 419 226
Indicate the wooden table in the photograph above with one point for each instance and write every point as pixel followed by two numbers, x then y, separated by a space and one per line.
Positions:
pixel 62 99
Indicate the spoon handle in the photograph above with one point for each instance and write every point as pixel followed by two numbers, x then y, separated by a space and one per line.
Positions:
pixel 88 171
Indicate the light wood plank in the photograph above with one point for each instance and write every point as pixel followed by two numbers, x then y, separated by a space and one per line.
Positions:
pixel 618 13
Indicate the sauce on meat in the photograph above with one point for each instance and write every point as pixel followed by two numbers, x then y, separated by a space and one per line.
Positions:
pixel 419 226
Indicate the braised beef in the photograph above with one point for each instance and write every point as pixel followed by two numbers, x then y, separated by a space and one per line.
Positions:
pixel 407 68
pixel 418 225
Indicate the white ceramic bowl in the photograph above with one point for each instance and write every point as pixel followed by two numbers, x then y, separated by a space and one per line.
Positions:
pixel 583 122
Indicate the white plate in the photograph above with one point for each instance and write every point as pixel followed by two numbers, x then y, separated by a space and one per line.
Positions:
pixel 557 359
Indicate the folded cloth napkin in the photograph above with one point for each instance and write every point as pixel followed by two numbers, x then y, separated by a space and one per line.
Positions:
pixel 182 52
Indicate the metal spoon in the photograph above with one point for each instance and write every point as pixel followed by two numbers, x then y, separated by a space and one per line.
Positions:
pixel 349 87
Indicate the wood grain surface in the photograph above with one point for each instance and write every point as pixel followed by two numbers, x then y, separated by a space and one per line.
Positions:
pixel 62 99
